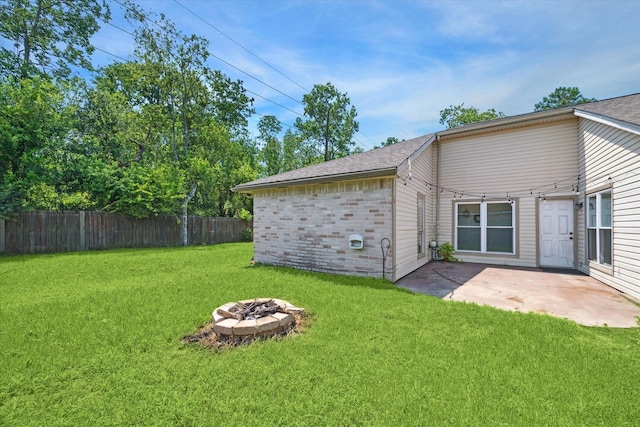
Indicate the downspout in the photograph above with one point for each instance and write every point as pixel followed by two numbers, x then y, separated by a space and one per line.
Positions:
pixel 437 190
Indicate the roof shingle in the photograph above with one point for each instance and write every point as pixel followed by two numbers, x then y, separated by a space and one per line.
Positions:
pixel 381 161
pixel 624 108
pixel 387 160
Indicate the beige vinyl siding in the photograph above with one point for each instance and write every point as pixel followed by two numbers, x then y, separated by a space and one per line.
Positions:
pixel 610 158
pixel 511 161
pixel 406 258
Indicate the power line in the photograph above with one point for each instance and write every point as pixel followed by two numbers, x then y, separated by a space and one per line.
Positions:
pixel 366 137
pixel 157 24
pixel 220 59
pixel 264 62
pixel 241 46
pixel 255 78
pixel 269 115
pixel 112 54
pixel 273 102
pixel 119 28
pixel 237 68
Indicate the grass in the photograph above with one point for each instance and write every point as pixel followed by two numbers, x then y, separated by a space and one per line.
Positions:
pixel 95 339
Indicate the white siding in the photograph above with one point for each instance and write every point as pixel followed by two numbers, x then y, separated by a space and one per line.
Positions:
pixel 406 258
pixel 510 161
pixel 610 157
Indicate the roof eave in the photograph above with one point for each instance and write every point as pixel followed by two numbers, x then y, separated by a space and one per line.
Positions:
pixel 609 121
pixel 524 119
pixel 406 163
pixel 244 188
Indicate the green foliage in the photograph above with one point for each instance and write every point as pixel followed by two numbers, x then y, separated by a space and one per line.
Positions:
pixel 143 191
pixel 9 199
pixel 390 141
pixel 562 97
pixel 245 215
pixel 49 35
pixel 459 115
pixel 155 135
pixel 272 151
pixel 35 121
pixel 247 235
pixel 446 252
pixel 330 121
pixel 95 339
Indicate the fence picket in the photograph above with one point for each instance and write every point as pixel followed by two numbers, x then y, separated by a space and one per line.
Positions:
pixel 46 231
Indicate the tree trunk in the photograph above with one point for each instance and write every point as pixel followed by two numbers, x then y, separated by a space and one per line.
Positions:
pixel 185 218
pixel 27 39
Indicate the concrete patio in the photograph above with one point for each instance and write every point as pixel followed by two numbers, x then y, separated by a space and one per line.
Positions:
pixel 562 293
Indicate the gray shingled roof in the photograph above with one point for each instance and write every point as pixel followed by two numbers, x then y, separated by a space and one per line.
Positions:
pixel 379 162
pixel 387 160
pixel 624 108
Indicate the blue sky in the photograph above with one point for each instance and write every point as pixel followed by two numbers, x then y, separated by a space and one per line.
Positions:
pixel 401 62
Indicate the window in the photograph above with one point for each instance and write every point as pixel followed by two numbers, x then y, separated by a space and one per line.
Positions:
pixel 421 224
pixel 599 227
pixel 485 227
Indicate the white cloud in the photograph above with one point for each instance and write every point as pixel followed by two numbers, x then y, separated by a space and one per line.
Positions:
pixel 402 62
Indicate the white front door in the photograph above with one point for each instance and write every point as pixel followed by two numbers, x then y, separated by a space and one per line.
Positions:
pixel 556 233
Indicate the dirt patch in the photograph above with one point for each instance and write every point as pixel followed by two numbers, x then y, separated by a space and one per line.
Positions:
pixel 207 337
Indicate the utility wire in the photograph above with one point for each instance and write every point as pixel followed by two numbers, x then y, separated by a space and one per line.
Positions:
pixel 261 60
pixel 241 46
pixel 275 103
pixel 119 28
pixel 222 60
pixel 235 67
pixel 150 20
pixel 112 54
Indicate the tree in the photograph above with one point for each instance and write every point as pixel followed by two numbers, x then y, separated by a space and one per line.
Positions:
pixel 459 115
pixel 390 141
pixel 202 108
pixel 562 97
pixel 35 121
pixel 48 35
pixel 169 132
pixel 268 128
pixel 330 121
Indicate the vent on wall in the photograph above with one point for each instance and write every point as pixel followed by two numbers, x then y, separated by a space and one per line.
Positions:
pixel 356 241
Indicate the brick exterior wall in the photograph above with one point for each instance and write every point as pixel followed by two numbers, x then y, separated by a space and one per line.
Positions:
pixel 309 227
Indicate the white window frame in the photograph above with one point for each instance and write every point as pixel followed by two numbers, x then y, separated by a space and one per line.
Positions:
pixel 484 227
pixel 597 196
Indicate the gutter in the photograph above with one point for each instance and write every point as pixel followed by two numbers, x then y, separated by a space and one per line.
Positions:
pixel 438 151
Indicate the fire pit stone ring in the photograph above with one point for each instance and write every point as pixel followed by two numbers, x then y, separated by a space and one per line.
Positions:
pixel 254 317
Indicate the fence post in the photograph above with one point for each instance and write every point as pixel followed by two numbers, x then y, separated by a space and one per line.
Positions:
pixel 2 236
pixel 83 244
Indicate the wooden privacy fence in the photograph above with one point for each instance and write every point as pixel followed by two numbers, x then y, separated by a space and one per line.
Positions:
pixel 45 231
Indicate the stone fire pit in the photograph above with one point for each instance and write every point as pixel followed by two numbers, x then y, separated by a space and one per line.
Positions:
pixel 254 318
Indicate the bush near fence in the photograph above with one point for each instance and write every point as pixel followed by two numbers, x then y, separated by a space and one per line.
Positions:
pixel 47 231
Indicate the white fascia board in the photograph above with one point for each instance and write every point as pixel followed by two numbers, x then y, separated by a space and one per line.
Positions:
pixel 405 164
pixel 626 126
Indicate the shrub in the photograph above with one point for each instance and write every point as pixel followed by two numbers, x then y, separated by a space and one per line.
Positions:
pixel 247 235
pixel 446 252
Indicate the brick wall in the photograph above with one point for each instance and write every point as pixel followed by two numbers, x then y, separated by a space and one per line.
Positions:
pixel 309 227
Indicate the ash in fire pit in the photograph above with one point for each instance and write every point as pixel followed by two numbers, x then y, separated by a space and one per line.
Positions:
pixel 260 317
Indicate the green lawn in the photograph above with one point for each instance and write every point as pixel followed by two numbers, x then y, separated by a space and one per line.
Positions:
pixel 95 339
